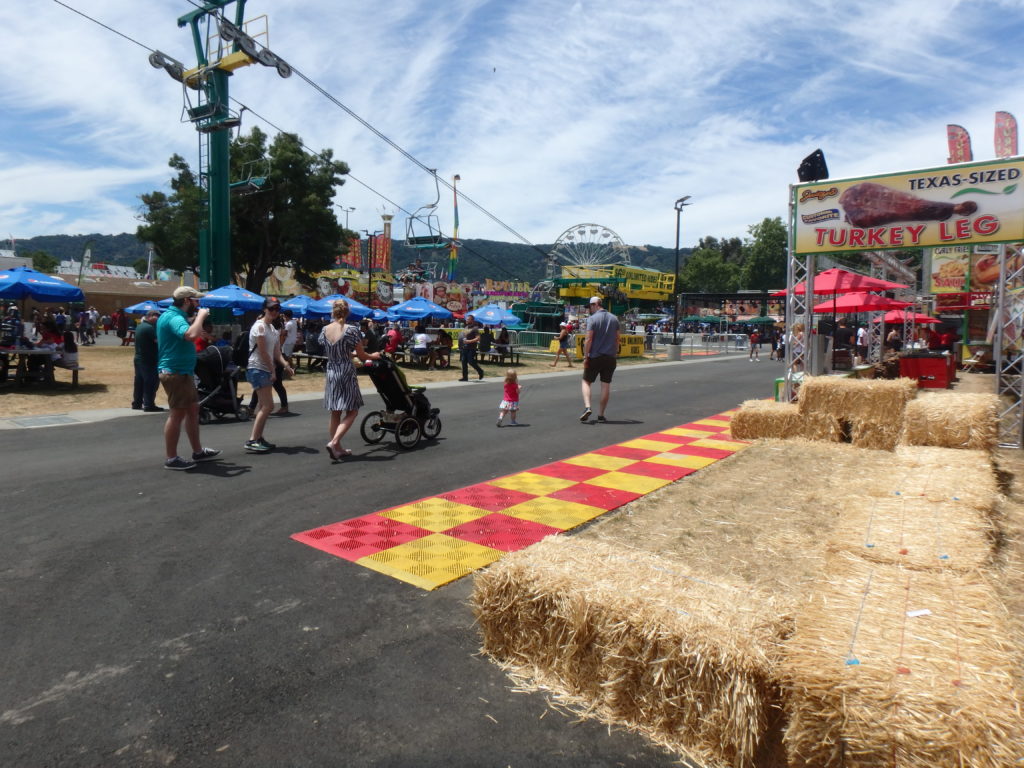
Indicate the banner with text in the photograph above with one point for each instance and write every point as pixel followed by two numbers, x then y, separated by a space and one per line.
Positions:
pixel 951 205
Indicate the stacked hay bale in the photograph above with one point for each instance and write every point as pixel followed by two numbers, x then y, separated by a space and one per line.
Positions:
pixel 902 654
pixel 952 420
pixel 766 418
pixel 867 413
pixel 637 639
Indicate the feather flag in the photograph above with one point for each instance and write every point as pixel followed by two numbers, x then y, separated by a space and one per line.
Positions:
pixel 1006 134
pixel 453 253
pixel 959 144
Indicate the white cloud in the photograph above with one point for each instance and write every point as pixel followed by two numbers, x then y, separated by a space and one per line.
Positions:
pixel 553 113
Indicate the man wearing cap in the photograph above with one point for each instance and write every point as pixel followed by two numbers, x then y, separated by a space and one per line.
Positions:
pixel 600 351
pixel 175 335
pixel 147 357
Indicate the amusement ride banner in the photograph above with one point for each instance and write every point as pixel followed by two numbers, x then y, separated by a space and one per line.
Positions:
pixel 965 204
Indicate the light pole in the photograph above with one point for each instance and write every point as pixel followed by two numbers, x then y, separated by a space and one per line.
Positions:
pixel 680 204
pixel 346 211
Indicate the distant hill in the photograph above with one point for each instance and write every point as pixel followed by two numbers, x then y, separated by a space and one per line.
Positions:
pixel 478 259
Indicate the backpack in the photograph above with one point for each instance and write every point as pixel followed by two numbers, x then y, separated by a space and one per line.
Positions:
pixel 240 350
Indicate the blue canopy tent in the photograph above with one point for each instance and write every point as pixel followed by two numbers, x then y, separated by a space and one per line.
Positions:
pixel 143 307
pixel 232 297
pixel 417 308
pixel 492 314
pixel 325 305
pixel 24 282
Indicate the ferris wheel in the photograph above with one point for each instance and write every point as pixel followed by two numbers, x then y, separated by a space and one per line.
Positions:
pixel 585 245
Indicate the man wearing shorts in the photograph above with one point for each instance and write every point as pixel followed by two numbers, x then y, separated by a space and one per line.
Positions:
pixel 176 332
pixel 600 351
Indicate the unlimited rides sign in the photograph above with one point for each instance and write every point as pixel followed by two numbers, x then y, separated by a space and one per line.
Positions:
pixel 967 204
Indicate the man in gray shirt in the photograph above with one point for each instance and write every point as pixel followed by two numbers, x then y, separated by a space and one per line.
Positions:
pixel 600 352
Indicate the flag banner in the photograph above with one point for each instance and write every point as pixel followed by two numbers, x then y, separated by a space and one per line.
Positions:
pixel 967 204
pixel 959 144
pixel 1006 135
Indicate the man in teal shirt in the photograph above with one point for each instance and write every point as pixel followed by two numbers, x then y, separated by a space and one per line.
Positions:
pixel 176 332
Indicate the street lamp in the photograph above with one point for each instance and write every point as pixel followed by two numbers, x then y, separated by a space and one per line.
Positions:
pixel 346 211
pixel 680 204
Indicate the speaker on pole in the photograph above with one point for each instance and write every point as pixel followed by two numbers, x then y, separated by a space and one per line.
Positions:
pixel 812 167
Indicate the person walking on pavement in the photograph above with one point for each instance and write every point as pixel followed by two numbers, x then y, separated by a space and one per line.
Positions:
pixel 563 345
pixel 176 332
pixel 600 351
pixel 755 346
pixel 265 360
pixel 468 342
pixel 147 355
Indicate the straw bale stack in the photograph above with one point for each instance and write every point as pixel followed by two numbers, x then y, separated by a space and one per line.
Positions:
pixel 893 667
pixel 953 420
pixel 945 475
pixel 865 412
pixel 639 640
pixel 766 419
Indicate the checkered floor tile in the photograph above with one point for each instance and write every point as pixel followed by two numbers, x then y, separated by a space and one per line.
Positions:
pixel 433 541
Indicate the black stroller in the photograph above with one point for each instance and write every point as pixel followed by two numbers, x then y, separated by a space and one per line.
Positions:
pixel 407 413
pixel 216 379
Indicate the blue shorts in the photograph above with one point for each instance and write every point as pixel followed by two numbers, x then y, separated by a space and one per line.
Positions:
pixel 259 379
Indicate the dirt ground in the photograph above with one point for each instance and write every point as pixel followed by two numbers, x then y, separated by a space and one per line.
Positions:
pixel 108 376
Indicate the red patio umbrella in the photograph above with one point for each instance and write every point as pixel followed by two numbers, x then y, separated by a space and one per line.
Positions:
pixel 896 317
pixel 859 302
pixel 842 281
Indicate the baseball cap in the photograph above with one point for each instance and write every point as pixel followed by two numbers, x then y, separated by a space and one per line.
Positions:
pixel 187 292
pixel 595 299
pixel 563 325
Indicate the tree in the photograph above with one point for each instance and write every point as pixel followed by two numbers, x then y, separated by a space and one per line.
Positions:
pixel 43 262
pixel 287 220
pixel 764 263
pixel 706 271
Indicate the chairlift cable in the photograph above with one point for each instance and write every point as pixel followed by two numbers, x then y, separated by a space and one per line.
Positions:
pixel 360 120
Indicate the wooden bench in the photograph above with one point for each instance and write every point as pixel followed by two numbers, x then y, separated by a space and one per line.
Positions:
pixel 74 372
pixel 312 361
pixel 497 356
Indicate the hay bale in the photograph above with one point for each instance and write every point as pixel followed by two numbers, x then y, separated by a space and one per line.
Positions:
pixel 944 476
pixel 865 412
pixel 915 532
pixel 639 640
pixel 892 667
pixel 953 420
pixel 766 419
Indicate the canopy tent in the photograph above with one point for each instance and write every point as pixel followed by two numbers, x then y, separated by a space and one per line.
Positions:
pixel 897 316
pixel 417 308
pixel 859 302
pixel 842 281
pixel 24 282
pixel 326 305
pixel 493 314
pixel 143 307
pixel 166 302
pixel 232 297
pixel 762 320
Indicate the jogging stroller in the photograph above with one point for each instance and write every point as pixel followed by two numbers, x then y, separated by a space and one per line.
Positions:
pixel 407 415
pixel 216 380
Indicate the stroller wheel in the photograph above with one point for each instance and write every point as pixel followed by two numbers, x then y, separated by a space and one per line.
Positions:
pixel 372 428
pixel 432 426
pixel 407 433
pixel 243 414
pixel 205 416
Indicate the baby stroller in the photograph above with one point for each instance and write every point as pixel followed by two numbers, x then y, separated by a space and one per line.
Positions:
pixel 407 413
pixel 216 377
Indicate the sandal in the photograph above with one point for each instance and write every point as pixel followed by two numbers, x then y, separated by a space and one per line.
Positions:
pixel 330 452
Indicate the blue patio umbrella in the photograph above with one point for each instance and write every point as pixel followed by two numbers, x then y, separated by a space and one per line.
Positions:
pixel 143 307
pixel 166 302
pixel 232 297
pixel 24 282
pixel 299 305
pixel 417 308
pixel 492 314
pixel 326 305
pixel 378 314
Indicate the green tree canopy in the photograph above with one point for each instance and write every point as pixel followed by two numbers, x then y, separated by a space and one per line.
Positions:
pixel 764 263
pixel 707 271
pixel 43 262
pixel 287 220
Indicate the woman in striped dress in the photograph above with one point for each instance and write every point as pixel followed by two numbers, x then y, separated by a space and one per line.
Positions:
pixel 341 391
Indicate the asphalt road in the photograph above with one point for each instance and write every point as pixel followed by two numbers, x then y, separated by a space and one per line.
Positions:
pixel 154 618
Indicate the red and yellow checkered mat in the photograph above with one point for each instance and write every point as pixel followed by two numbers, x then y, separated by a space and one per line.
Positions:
pixel 441 538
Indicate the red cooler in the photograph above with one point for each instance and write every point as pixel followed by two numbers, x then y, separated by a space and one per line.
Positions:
pixel 931 371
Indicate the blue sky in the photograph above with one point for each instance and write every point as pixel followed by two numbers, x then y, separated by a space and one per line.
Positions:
pixel 553 112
